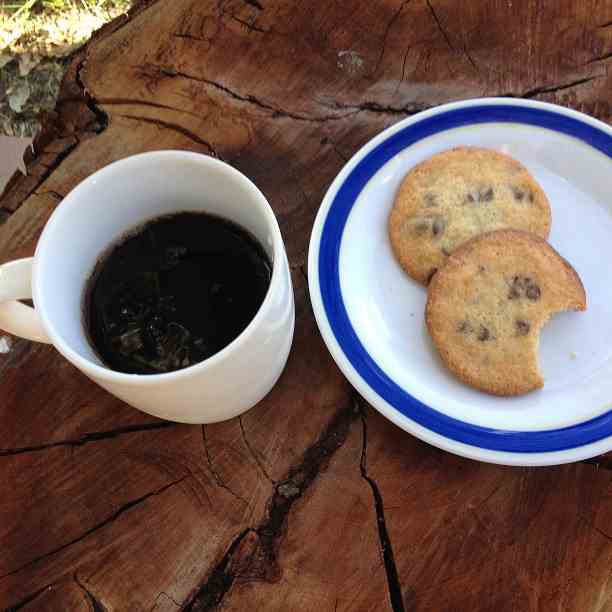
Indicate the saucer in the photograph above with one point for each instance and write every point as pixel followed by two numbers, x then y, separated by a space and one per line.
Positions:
pixel 371 314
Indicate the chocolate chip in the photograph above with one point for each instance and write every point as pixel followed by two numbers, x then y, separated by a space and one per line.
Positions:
pixel 465 327
pixel 487 195
pixel 483 334
pixel 421 227
pixel 481 269
pixel 430 200
pixel 483 194
pixel 522 286
pixel 522 327
pixel 533 292
pixel 438 226
pixel 515 290
pixel 519 194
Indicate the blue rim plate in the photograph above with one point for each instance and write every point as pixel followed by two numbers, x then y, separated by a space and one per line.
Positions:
pixel 557 136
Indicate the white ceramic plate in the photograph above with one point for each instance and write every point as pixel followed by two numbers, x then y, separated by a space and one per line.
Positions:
pixel 371 315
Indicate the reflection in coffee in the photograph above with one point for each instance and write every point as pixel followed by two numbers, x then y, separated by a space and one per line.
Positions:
pixel 174 292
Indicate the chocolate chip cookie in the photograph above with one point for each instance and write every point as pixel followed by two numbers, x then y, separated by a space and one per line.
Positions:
pixel 456 195
pixel 487 305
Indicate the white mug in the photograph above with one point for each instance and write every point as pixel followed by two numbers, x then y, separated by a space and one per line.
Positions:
pixel 97 213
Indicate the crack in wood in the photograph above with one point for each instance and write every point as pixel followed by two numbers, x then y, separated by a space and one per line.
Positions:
pixel 536 91
pixel 251 99
pixel 329 141
pixel 27 599
pixel 60 157
pixel 595 528
pixel 49 192
pixel 440 27
pixel 404 59
pixel 374 107
pixel 136 102
pixel 295 178
pixel 603 463
pixel 254 4
pixel 176 603
pixel 190 37
pixel 490 495
pixel 304 272
pixel 250 25
pixel 256 557
pixel 107 521
pixel 447 39
pixel 470 59
pixel 388 27
pixel 175 128
pixel 600 58
pixel 95 603
pixel 219 581
pixel 393 581
pixel 600 532
pixel 258 461
pixel 216 476
pixel 87 438
pixel 100 115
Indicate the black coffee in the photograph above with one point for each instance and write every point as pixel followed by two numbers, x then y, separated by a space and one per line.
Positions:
pixel 174 292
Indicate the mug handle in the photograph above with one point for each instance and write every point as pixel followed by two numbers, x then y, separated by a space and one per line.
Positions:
pixel 17 318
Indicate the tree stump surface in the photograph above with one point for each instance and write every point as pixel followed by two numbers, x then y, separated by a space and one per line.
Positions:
pixel 310 501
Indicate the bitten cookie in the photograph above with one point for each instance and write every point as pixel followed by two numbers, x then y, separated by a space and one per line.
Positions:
pixel 456 195
pixel 487 305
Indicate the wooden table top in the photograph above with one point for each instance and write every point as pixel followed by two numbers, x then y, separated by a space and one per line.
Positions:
pixel 310 501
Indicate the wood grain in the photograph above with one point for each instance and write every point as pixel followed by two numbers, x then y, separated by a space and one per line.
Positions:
pixel 311 500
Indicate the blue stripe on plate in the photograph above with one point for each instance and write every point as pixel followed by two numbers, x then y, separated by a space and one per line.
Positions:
pixel 329 280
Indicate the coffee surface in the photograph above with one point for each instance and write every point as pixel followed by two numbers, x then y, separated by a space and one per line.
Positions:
pixel 174 292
